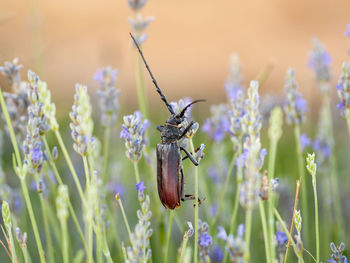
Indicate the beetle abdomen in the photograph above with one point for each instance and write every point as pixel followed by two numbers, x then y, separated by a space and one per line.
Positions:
pixel 168 174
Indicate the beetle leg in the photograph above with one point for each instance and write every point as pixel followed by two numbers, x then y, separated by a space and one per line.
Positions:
pixel 186 130
pixel 160 128
pixel 188 155
pixel 196 150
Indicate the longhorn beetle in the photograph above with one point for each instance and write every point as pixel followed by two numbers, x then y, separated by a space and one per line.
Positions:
pixel 170 177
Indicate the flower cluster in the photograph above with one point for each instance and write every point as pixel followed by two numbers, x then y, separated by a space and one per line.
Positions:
pixel 337 255
pixel 234 81
pixel 139 25
pixel 295 106
pixel 204 240
pixel 343 89
pixel 108 95
pixel 11 70
pixel 17 102
pixel 235 246
pixel 38 125
pixel 219 123
pixel 82 124
pixel 238 110
pixel 249 195
pixel 297 224
pixel 319 61
pixel 134 134
pixel 178 107
pixel 140 238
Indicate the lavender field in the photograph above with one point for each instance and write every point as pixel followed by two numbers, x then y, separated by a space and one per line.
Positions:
pixel 251 176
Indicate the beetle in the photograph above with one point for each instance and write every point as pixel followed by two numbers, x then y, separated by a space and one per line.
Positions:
pixel 170 176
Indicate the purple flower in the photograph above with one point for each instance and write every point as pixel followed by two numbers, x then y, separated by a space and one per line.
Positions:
pixel 322 147
pixel 281 238
pixel 205 240
pixel 347 32
pixel 217 254
pixel 218 124
pixel 304 141
pixel 37 153
pixel 300 104
pixel 98 76
pixel 319 61
pixel 263 153
pixel 124 133
pixel 341 106
pixel 241 160
pixel 222 233
pixel 140 187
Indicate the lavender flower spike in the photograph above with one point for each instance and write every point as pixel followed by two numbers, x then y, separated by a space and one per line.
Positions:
pixel 218 125
pixel 337 255
pixel 319 61
pixel 140 251
pixel 295 106
pixel 82 124
pixel 108 95
pixel 134 134
pixel 343 89
pixel 249 195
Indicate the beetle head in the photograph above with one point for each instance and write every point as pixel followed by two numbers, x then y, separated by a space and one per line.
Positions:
pixel 177 119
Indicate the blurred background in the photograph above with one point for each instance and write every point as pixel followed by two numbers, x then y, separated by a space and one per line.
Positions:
pixel 188 45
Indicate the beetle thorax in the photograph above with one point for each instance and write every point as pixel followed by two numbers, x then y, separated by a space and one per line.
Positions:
pixel 171 130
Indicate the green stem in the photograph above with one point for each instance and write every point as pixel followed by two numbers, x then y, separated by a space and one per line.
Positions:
pixel 195 255
pixel 303 182
pixel 265 232
pixel 271 219
pixel 89 232
pixel 248 229
pixel 136 169
pixel 183 250
pixel 316 220
pixel 70 166
pixel 124 217
pixel 26 255
pixel 106 139
pixel 279 218
pixel 223 192
pixel 60 182
pixel 64 241
pixel 49 245
pixel 32 219
pixel 171 217
pixel 12 245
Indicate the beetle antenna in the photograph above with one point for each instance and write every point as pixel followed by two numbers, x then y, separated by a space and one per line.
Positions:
pixel 162 96
pixel 182 113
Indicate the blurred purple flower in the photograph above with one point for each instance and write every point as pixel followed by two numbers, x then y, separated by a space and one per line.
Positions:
pixel 205 240
pixel 216 254
pixel 322 147
pixel 241 230
pixel 222 233
pixel 219 123
pixel 281 238
pixel 304 141
pixel 140 187
pixel 263 153
pixel 347 32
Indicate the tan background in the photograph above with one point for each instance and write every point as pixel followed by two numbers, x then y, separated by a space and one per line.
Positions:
pixel 188 47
